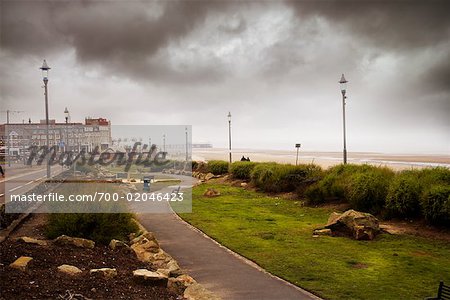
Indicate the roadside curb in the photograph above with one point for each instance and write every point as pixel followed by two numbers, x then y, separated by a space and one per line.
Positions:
pixel 5 233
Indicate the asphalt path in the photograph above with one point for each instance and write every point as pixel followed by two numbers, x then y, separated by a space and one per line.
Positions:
pixel 220 270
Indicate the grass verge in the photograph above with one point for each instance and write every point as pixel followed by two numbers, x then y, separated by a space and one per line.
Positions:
pixel 277 235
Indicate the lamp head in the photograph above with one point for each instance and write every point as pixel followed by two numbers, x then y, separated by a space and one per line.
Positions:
pixel 229 116
pixel 45 68
pixel 343 83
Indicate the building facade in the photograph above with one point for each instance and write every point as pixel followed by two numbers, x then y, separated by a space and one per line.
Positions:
pixel 17 138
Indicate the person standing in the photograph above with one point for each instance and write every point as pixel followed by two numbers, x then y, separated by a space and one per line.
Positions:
pixel 1 171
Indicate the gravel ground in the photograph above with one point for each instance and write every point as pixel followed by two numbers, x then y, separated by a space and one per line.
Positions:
pixel 43 281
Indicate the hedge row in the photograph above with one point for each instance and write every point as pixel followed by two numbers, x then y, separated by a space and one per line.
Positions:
pixel 406 194
pixel 273 177
pixel 364 187
pixel 378 190
pixel 218 167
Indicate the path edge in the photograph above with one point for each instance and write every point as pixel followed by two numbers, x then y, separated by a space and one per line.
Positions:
pixel 245 259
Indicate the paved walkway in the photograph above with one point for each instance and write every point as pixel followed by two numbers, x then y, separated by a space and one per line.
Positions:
pixel 215 267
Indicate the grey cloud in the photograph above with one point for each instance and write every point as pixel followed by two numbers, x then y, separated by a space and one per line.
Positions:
pixel 120 36
pixel 236 25
pixel 392 24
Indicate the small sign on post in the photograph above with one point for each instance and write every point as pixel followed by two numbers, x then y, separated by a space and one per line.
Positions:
pixel 298 148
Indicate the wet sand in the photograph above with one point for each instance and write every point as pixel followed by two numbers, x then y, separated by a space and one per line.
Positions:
pixel 327 159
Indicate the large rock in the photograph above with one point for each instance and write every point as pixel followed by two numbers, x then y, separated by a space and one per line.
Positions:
pixel 179 284
pixel 209 176
pixel 145 248
pixel 211 193
pixel 171 268
pixel 197 292
pixel 174 268
pixel 105 272
pixel 145 276
pixel 69 270
pixel 78 242
pixel 359 225
pixel 21 263
pixel 146 235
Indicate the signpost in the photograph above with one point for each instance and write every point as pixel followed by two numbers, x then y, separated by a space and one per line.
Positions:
pixel 298 148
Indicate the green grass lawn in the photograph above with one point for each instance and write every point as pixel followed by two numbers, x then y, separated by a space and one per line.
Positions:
pixel 277 235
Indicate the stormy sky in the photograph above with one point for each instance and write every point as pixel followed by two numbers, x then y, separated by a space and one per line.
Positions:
pixel 274 64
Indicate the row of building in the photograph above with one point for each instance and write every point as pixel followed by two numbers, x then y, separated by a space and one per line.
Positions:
pixel 17 138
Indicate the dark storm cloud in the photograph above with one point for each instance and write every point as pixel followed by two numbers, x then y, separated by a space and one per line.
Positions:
pixel 402 27
pixel 438 77
pixel 120 36
pixel 392 24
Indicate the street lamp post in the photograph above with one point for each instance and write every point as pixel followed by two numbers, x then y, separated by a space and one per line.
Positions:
pixel 164 143
pixel 45 68
pixel 187 152
pixel 229 134
pixel 343 83
pixel 66 116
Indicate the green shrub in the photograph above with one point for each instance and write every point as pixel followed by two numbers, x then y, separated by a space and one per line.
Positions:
pixel 194 165
pixel 99 227
pixel 436 205
pixel 272 177
pixel 432 176
pixel 335 184
pixel 403 198
pixel 218 167
pixel 367 190
pixel 242 169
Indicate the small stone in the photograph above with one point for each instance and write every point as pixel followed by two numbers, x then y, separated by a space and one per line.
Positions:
pixel 244 184
pixel 93 290
pixel 211 193
pixel 106 272
pixel 78 242
pixel 21 263
pixel 145 276
pixel 197 292
pixel 322 232
pixel 69 270
pixel 114 244
pixel 132 236
pixel 29 240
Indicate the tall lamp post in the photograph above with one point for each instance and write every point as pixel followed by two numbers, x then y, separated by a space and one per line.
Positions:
pixel 67 117
pixel 164 143
pixel 229 134
pixel 343 83
pixel 45 68
pixel 187 151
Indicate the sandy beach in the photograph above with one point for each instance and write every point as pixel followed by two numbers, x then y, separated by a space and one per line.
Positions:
pixel 326 159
